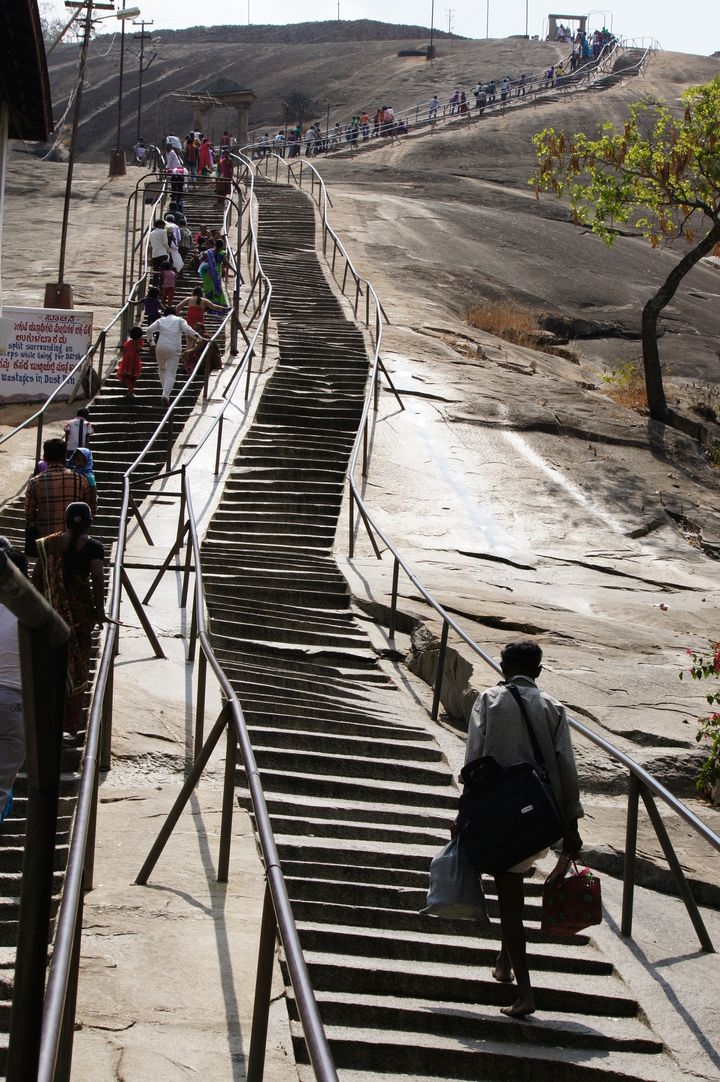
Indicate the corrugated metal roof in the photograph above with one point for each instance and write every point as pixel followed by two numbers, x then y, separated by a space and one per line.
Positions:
pixel 24 82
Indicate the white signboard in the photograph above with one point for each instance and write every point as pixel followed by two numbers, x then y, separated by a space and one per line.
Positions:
pixel 44 345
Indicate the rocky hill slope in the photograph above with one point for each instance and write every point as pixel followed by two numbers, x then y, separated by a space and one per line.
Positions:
pixel 360 69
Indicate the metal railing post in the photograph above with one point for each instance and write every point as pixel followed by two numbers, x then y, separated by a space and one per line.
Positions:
pixel 351 510
pixel 227 805
pixel 630 853
pixel 263 989
pixel 678 875
pixel 218 447
pixel 101 365
pixel 440 670
pixel 394 597
pixel 200 704
pixel 105 752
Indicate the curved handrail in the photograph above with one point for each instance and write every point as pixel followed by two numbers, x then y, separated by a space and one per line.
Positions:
pixel 313 1029
pixel 70 906
pixel 79 857
pixel 640 776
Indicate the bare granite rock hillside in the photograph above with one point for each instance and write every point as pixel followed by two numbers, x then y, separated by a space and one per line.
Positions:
pixel 361 71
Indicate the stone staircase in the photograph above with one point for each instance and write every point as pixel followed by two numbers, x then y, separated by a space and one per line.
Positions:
pixel 359 792
pixel 122 429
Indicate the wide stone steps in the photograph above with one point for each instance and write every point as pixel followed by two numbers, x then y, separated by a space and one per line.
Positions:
pixel 469 1020
pixel 431 1056
pixel 359 793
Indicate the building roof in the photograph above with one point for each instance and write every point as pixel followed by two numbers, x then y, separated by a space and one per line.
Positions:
pixel 24 82
pixel 223 85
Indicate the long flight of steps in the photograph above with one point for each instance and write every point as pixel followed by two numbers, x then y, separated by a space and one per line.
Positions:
pixel 359 792
pixel 122 429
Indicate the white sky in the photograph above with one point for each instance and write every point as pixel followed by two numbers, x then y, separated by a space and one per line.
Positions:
pixel 691 27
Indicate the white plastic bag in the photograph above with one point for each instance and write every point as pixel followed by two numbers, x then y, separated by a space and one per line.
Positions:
pixel 455 890
pixel 176 259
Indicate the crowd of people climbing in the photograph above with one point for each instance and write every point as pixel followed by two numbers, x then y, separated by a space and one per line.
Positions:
pixel 364 125
pixel 171 247
pixel 62 496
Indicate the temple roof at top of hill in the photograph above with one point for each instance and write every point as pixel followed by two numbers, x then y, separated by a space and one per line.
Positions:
pixel 24 83
pixel 224 86
pixel 306 33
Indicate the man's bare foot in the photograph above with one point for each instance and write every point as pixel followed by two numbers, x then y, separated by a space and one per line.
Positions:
pixel 522 1006
pixel 503 970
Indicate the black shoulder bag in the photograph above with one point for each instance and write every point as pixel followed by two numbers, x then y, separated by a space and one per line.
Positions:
pixel 508 813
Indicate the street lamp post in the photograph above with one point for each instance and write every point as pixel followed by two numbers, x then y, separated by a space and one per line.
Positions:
pixel 117 157
pixel 487 18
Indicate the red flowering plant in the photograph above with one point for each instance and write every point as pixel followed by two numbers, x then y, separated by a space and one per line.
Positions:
pixel 705 665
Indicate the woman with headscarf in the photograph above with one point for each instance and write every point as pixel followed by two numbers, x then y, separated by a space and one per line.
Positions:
pixel 81 461
pixel 69 573
pixel 170 329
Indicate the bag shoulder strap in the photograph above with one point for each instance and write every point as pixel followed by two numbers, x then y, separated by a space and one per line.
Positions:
pixel 537 750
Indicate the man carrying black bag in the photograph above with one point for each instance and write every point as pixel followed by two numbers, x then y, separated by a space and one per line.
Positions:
pixel 517 723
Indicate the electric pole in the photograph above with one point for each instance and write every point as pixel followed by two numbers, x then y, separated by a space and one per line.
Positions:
pixel 59 294
pixel 450 13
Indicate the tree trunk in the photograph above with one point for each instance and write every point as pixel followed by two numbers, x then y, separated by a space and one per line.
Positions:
pixel 657 403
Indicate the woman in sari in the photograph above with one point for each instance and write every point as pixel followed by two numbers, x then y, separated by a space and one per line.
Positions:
pixel 205 158
pixel 224 177
pixel 209 271
pixel 69 573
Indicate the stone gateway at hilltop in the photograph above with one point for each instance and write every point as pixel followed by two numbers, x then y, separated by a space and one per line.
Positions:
pixel 222 94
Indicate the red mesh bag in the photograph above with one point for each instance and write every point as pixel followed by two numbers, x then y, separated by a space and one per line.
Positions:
pixel 571 903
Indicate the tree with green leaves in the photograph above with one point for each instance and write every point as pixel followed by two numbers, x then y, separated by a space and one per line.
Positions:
pixel 662 173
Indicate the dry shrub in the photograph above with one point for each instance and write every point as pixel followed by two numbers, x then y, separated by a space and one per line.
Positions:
pixel 626 385
pixel 506 321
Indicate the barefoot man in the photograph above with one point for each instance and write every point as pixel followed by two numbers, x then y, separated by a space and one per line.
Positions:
pixel 497 728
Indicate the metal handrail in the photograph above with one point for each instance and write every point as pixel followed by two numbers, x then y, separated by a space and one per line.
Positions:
pixel 532 89
pixel 70 914
pixel 59 1004
pixel 642 783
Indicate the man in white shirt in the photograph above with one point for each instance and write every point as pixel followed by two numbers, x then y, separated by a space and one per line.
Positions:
pixel 159 248
pixel 78 432
pixel 12 723
pixel 170 328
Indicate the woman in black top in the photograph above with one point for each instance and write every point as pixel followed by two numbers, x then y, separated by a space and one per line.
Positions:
pixel 69 572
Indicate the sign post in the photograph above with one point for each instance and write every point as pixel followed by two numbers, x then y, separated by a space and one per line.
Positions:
pixel 42 346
